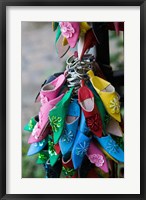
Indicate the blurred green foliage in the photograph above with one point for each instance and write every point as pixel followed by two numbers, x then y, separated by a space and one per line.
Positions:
pixel 116 50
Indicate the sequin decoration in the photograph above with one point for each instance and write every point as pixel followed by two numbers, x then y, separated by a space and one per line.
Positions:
pixel 115 105
pixel 82 148
pixel 55 123
pixel 51 149
pixel 43 156
pixel 68 172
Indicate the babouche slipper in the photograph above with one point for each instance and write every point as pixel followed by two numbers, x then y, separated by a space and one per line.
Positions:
pixel 42 157
pixel 51 89
pixel 111 148
pixel 114 128
pixel 32 122
pixel 42 128
pixel 37 147
pixel 58 114
pixel 99 105
pixel 81 143
pixel 71 31
pixel 67 168
pixel 53 155
pixel 48 80
pixel 92 115
pixel 54 25
pixel 86 42
pixel 108 95
pixel 71 126
pixel 96 157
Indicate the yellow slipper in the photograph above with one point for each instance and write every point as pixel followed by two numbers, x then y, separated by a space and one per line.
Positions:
pixel 84 27
pixel 108 95
pixel 64 42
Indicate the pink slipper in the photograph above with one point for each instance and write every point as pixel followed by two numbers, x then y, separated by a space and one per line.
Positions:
pixel 71 31
pixel 40 130
pixel 51 90
pixel 114 128
pixel 96 156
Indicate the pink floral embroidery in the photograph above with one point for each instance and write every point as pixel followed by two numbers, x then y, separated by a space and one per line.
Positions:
pixel 97 159
pixel 67 29
pixel 43 99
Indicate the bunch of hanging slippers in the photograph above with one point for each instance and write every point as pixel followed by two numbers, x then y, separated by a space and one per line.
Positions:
pixel 78 131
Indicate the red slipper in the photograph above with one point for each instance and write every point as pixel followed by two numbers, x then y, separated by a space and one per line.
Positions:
pixel 88 42
pixel 57 148
pixel 68 170
pixel 91 113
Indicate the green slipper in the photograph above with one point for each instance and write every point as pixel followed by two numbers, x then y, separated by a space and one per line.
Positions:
pixel 43 157
pixel 100 106
pixel 52 153
pixel 57 115
pixel 54 25
pixel 58 34
pixel 32 122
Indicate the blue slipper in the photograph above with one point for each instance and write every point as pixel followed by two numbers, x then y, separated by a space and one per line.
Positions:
pixel 37 147
pixel 68 136
pixel 81 143
pixel 111 148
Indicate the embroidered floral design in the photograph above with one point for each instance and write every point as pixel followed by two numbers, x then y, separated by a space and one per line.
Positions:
pixel 30 125
pixel 82 148
pixel 43 99
pixel 97 159
pixel 68 136
pixel 41 143
pixel 43 157
pixel 55 123
pixel 94 122
pixel 115 105
pixel 112 147
pixel 68 172
pixel 51 149
pixel 67 29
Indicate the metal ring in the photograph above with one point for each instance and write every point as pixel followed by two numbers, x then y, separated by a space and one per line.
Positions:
pixel 71 63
